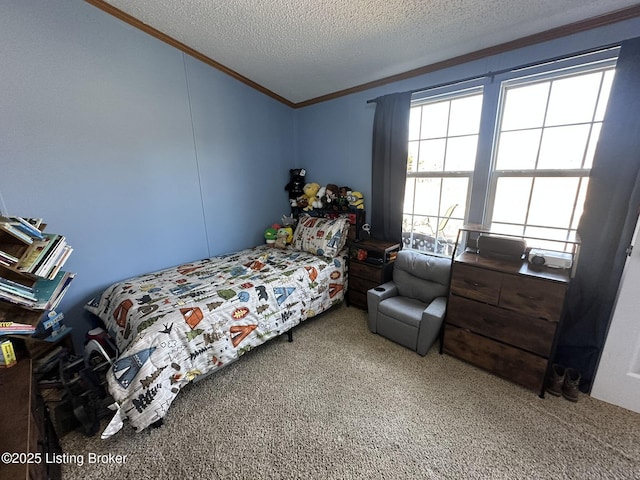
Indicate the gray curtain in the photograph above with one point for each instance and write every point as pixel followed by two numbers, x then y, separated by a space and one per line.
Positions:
pixel 607 224
pixel 389 165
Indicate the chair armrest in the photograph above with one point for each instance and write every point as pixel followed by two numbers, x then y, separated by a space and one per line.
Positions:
pixel 436 309
pixel 431 323
pixel 374 297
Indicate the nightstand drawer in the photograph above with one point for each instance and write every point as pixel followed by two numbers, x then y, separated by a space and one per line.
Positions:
pixel 362 284
pixel 478 284
pixel 529 333
pixel 534 297
pixel 360 269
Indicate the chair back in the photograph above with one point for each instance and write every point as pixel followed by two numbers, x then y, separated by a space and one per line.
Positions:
pixel 421 276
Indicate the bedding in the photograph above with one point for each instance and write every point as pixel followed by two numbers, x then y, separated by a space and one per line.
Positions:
pixel 178 324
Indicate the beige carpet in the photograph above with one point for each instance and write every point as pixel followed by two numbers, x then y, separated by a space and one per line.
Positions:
pixel 342 403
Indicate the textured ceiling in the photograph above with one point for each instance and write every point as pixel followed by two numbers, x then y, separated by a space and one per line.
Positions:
pixel 305 49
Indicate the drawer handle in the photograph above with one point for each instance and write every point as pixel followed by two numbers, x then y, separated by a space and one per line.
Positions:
pixel 530 297
pixel 472 283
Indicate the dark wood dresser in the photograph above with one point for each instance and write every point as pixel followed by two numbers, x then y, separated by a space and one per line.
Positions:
pixel 369 272
pixel 25 427
pixel 503 316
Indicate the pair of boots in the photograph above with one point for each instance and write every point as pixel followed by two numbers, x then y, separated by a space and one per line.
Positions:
pixel 565 382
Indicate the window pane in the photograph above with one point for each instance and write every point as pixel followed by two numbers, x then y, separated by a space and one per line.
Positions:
pixel 414 123
pixel 593 143
pixel 432 155
pixel 536 233
pixel 518 150
pixel 435 118
pixel 454 196
pixel 408 195
pixel 427 196
pixel 604 95
pixel 412 160
pixel 511 200
pixel 465 115
pixel 573 99
pixel 563 147
pixel 507 229
pixel 524 106
pixel 461 154
pixel 552 201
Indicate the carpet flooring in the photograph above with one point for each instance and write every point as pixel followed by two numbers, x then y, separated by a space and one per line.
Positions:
pixel 342 403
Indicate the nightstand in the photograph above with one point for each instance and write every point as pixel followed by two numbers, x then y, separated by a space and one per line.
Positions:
pixel 373 267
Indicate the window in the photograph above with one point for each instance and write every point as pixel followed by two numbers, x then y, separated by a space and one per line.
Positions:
pixel 546 138
pixel 540 135
pixel 443 138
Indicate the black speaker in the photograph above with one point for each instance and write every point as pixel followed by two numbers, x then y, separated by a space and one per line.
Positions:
pixel 505 248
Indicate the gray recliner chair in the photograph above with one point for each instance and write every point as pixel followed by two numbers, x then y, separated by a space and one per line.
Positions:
pixel 410 309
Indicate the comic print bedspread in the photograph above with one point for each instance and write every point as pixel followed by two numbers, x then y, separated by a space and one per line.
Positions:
pixel 176 324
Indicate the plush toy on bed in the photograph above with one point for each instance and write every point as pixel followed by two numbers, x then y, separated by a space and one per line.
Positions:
pixel 310 195
pixel 281 238
pixel 270 235
pixel 295 185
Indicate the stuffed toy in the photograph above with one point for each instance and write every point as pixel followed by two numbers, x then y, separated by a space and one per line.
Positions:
pixel 331 196
pixel 281 238
pixel 320 198
pixel 343 200
pixel 310 195
pixel 270 235
pixel 295 185
pixel 356 200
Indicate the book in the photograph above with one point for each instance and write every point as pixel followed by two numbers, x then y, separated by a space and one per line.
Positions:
pixel 7 258
pixel 50 292
pixel 26 227
pixel 14 328
pixel 15 288
pixel 36 253
pixel 60 262
pixel 45 264
pixel 15 232
pixel 7 354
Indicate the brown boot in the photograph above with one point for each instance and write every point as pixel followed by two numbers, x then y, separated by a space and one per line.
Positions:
pixel 571 384
pixel 554 387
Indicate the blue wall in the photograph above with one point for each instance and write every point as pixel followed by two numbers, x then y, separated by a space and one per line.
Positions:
pixel 143 157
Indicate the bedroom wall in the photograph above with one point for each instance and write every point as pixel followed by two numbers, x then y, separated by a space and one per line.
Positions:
pixel 333 138
pixel 141 156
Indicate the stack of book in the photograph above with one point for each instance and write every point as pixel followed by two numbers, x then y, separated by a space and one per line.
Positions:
pixel 45 294
pixel 15 328
pixel 31 262
pixel 44 257
pixel 23 229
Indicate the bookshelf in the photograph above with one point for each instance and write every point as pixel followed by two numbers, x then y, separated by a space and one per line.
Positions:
pixel 32 281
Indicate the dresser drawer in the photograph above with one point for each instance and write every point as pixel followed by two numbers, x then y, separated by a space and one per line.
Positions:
pixel 532 334
pixel 476 283
pixel 513 364
pixel 539 298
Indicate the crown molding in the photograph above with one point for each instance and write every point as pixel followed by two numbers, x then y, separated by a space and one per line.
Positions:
pixel 552 34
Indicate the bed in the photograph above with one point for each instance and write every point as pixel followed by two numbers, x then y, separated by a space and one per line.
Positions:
pixel 176 325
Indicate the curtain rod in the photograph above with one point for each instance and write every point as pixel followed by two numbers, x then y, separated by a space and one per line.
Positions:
pixel 512 69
